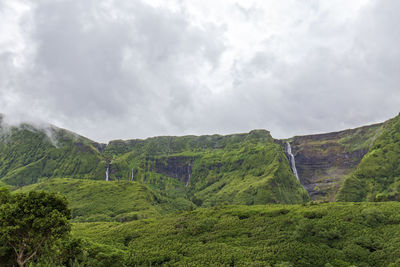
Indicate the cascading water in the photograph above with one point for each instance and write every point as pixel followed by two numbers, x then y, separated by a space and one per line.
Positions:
pixel 292 160
pixel 132 174
pixel 189 170
pixel 108 168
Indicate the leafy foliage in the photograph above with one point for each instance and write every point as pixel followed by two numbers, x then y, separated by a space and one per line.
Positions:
pixel 331 234
pixel 111 201
pixel 29 222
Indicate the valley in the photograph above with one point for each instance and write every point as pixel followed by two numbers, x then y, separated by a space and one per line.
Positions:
pixel 257 200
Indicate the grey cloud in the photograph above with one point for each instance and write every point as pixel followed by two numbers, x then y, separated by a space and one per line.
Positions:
pixel 125 69
pixel 124 63
pixel 330 87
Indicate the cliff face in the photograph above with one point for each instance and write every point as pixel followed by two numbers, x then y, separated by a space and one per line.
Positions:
pixel 177 167
pixel 324 160
pixel 377 177
pixel 241 168
pixel 248 168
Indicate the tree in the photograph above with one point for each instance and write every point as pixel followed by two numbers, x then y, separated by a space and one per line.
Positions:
pixel 4 195
pixel 30 221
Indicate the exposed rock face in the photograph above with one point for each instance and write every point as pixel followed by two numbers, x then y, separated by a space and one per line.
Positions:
pixel 324 160
pixel 177 167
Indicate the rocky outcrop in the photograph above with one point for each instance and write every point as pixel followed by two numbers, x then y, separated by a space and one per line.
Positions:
pixel 173 166
pixel 324 160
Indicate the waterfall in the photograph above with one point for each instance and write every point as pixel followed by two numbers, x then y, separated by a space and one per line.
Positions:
pixel 189 167
pixel 292 160
pixel 108 166
pixel 132 174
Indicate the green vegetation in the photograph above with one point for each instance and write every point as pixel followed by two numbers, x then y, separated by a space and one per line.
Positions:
pixel 111 201
pixel 324 160
pixel 29 223
pixel 28 153
pixel 331 234
pixel 199 200
pixel 240 169
pixel 312 234
pixel 377 177
pixel 360 138
pixel 209 170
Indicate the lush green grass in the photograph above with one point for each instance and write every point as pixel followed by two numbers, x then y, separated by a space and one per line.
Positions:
pixel 340 234
pixel 377 177
pixel 361 138
pixel 28 153
pixel 111 201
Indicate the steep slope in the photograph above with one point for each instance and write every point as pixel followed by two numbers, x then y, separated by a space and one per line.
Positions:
pixel 242 168
pixel 377 178
pixel 28 153
pixel 324 160
pixel 104 201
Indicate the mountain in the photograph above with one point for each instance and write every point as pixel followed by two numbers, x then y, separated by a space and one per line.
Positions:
pixel 323 161
pixel 163 200
pixel 377 177
pixel 29 153
pixel 251 168
pixel 242 168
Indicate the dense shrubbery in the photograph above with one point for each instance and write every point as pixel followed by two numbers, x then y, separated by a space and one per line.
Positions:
pixel 338 234
pixel 331 234
pixel 34 231
pixel 111 201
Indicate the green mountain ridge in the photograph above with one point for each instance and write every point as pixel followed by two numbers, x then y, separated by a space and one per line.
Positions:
pixel 249 168
pixel 241 168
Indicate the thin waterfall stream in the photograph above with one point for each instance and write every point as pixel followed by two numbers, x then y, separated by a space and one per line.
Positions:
pixel 107 170
pixel 189 174
pixel 292 160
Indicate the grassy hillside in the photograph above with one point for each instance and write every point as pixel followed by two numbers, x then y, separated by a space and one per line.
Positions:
pixel 332 234
pixel 242 169
pixel 111 201
pixel 377 178
pixel 28 153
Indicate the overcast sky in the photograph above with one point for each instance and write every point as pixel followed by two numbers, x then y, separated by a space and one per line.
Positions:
pixel 133 69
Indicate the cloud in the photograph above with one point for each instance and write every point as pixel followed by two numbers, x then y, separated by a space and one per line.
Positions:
pixel 127 69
